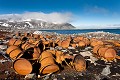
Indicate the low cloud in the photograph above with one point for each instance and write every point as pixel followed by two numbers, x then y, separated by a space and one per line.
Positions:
pixel 54 17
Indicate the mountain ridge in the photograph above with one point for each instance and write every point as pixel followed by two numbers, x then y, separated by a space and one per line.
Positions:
pixel 33 24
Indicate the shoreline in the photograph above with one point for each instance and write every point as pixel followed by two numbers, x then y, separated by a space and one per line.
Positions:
pixel 97 69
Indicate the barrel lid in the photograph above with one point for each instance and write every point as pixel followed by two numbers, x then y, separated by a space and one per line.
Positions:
pixel 22 66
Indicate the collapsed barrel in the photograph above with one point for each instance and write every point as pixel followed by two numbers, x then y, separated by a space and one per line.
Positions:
pixel 96 48
pixel 26 34
pixel 14 52
pixel 27 45
pixel 79 63
pixel 32 53
pixel 65 43
pixel 81 44
pixel 59 56
pixel 87 41
pixel 36 36
pixel 15 42
pixel 36 53
pixel 31 40
pixel 77 39
pixel 22 66
pixel 47 63
pixel 73 45
pixel 109 54
pixel 96 42
pixel 105 51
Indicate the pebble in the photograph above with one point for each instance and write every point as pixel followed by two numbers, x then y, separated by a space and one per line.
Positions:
pixel 30 76
pixel 55 79
pixel 64 78
pixel 106 71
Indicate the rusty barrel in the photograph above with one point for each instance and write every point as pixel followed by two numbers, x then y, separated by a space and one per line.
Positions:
pixel 105 51
pixel 73 45
pixel 15 42
pixel 47 63
pixel 36 53
pixel 36 36
pixel 77 39
pixel 87 41
pixel 14 52
pixel 108 53
pixel 96 42
pixel 31 40
pixel 65 43
pixel 32 53
pixel 79 63
pixel 81 44
pixel 22 66
pixel 27 45
pixel 96 48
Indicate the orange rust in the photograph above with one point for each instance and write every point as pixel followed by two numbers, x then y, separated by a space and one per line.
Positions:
pixel 15 42
pixel 22 66
pixel 79 63
pixel 14 52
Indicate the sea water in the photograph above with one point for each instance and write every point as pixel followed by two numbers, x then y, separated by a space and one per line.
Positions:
pixel 77 31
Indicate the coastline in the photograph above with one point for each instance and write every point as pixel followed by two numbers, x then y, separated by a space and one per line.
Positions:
pixel 95 68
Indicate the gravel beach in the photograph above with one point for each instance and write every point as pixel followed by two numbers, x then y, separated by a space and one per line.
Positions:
pixel 96 69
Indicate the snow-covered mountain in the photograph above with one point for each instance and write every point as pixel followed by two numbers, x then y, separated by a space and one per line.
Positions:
pixel 34 21
pixel 33 24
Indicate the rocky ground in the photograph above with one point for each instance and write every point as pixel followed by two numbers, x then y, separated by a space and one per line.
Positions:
pixel 96 69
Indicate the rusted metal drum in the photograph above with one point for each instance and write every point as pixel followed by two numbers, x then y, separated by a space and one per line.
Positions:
pixel 14 52
pixel 22 66
pixel 15 42
pixel 81 44
pixel 73 45
pixel 94 43
pixel 47 63
pixel 96 48
pixel 27 45
pixel 79 63
pixel 36 53
pixel 87 41
pixel 80 38
pixel 31 40
pixel 26 34
pixel 110 54
pixel 59 42
pixel 52 51
pixel 65 43
pixel 49 69
pixel 116 43
pixel 102 51
pixel 105 51
pixel 36 36
pixel 59 57
pixel 76 40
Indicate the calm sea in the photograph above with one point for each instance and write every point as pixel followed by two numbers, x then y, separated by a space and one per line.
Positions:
pixel 77 31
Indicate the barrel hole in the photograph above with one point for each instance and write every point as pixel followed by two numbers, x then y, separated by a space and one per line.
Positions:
pixel 28 54
pixel 24 38
pixel 105 78
pixel 36 67
pixel 41 46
